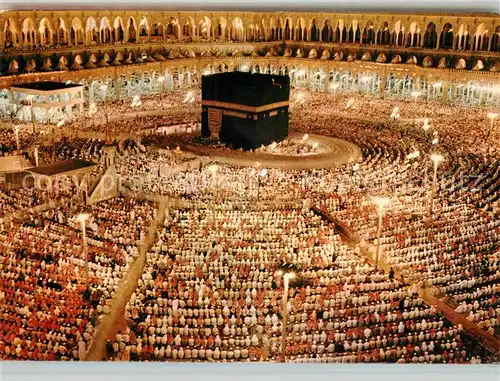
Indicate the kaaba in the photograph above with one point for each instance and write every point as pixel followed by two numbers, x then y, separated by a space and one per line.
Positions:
pixel 248 110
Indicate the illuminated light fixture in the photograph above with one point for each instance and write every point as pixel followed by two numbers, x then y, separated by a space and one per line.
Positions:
pixel 381 202
pixel 350 103
pixel 426 125
pixel 136 101
pixel 395 113
pixel 436 158
pixel 413 155
pixel 416 94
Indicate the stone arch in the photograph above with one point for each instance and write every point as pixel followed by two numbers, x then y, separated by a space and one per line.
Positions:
pixel 300 30
pixel 463 37
pixel 28 32
pixel 119 30
pixel 480 40
pixel 76 32
pixel 327 31
pixel 354 33
pixel 144 27
pixel 205 27
pixel 430 36
pixel 288 32
pixel 61 32
pixel 261 30
pixel 275 32
pixel 131 30
pixel 314 32
pixel 221 31
pixel 173 28
pixel 156 30
pixel 45 30
pixel 237 30
pixel 368 36
pixel 398 34
pixel 91 31
pixel 495 40
pixel 384 34
pixel 105 30
pixel 189 29
pixel 250 33
pixel 446 37
pixel 11 34
pixel 340 31
pixel 413 38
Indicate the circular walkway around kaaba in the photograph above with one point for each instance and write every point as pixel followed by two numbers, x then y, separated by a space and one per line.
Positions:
pixel 334 153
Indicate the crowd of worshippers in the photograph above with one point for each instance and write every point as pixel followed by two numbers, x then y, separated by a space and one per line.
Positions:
pixel 150 112
pixel 8 141
pixel 211 289
pixel 48 312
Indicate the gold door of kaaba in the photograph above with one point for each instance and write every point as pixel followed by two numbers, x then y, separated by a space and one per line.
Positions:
pixel 214 119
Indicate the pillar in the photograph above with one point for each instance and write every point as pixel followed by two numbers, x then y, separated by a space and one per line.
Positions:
pixel 383 82
pixel 445 92
pixel 118 89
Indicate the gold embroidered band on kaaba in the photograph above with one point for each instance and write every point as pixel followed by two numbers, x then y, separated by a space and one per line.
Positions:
pixel 239 107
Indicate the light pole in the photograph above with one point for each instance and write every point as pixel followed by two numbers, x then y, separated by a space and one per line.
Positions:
pixel 256 171
pixel 83 217
pixel 16 131
pixel 492 116
pixel 161 80
pixel 426 126
pixel 395 114
pixel 32 111
pixel 286 282
pixel 213 170
pixel 92 111
pixel 36 156
pixel 436 159
pixel 415 95
pixel 350 104
pixel 260 174
pixel 381 202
